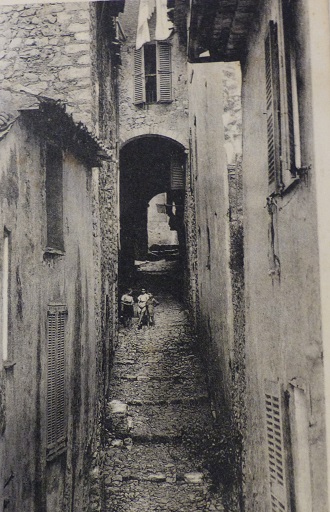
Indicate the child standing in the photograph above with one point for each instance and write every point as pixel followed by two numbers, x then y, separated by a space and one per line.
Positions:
pixel 151 303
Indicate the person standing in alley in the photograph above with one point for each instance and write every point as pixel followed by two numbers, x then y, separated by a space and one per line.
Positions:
pixel 127 309
pixel 151 303
pixel 142 306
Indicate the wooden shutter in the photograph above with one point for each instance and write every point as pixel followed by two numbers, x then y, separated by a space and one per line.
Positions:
pixel 56 417
pixel 139 80
pixel 288 157
pixel 276 449
pixel 164 73
pixel 54 197
pixel 177 174
pixel 273 108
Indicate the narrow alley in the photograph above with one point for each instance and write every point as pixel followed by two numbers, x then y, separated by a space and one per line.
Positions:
pixel 158 409
pixel 181 148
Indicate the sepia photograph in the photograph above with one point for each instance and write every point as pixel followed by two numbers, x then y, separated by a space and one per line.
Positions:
pixel 164 256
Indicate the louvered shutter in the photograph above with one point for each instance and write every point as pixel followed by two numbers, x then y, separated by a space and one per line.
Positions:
pixel 139 80
pixel 164 73
pixel 177 174
pixel 288 116
pixel 56 417
pixel 273 108
pixel 276 449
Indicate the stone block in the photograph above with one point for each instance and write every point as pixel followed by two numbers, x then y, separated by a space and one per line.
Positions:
pixel 72 73
pixel 52 8
pixel 193 478
pixel 117 443
pixel 39 87
pixel 76 48
pixel 26 54
pixel 78 27
pixel 28 12
pixel 157 477
pixel 4 64
pixel 63 18
pixel 51 18
pixel 83 36
pixel 15 43
pixel 31 77
pixel 84 59
pixel 61 61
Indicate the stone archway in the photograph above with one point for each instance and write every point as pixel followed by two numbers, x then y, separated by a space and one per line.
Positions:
pixel 149 164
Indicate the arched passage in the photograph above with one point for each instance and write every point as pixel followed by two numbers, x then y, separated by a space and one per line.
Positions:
pixel 149 165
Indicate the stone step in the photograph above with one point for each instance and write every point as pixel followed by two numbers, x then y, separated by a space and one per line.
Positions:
pixel 145 458
pixel 168 420
pixel 166 368
pixel 200 399
pixel 157 392
pixel 137 496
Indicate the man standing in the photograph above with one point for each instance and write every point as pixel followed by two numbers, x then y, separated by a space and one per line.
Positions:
pixel 127 309
pixel 142 306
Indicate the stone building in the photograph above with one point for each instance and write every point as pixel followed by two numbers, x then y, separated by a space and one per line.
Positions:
pixel 153 111
pixel 285 106
pixel 58 66
pixel 50 298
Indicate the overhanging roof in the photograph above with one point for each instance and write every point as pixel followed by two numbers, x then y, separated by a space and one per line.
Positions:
pixel 221 28
pixel 53 122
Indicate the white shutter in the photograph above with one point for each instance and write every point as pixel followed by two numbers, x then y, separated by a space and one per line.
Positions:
pixel 164 72
pixel 276 448
pixel 139 81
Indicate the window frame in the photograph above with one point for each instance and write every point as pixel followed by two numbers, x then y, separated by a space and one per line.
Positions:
pixel 283 133
pixel 56 407
pixel 54 198
pixel 163 74
pixel 5 295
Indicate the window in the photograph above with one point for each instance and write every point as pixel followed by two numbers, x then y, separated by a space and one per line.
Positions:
pixel 276 450
pixel 56 410
pixel 5 294
pixel 54 198
pixel 152 73
pixel 281 101
pixel 177 173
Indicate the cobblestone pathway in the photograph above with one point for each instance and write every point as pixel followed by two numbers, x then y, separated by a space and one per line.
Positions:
pixel 158 392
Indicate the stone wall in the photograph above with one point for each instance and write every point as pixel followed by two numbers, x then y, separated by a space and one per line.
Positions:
pixel 47 49
pixel 170 120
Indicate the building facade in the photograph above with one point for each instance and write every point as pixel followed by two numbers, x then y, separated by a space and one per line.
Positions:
pixel 59 269
pixel 285 65
pixel 153 110
pixel 49 330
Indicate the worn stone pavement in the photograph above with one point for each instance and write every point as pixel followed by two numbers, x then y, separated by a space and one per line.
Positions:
pixel 158 391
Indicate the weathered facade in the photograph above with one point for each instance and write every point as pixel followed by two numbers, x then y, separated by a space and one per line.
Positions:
pixel 69 53
pixel 49 247
pixel 286 246
pixel 213 219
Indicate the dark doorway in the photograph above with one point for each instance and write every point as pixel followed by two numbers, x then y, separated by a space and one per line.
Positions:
pixel 150 165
